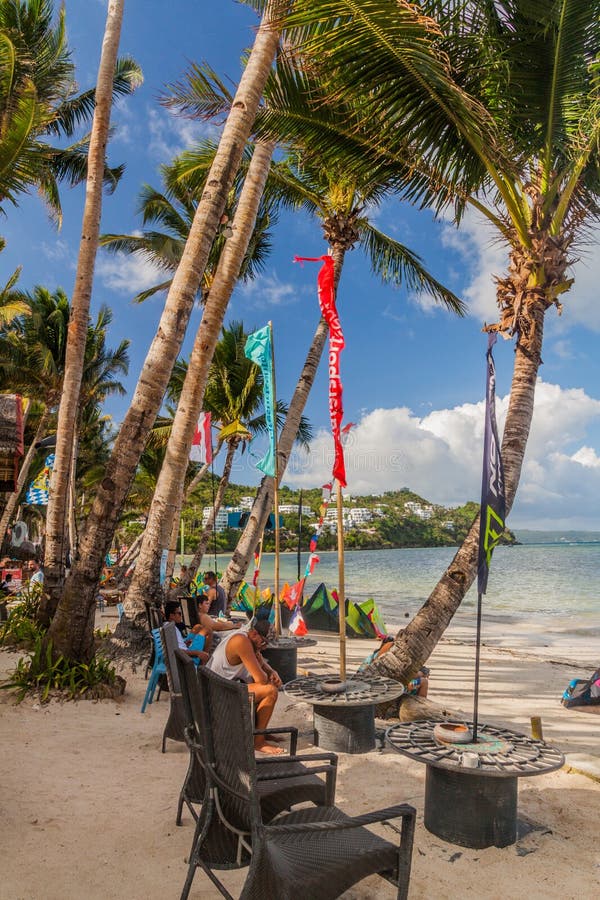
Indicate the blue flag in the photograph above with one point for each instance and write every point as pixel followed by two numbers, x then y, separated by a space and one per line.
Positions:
pixel 493 504
pixel 258 349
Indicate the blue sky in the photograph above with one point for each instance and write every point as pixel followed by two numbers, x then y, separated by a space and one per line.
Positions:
pixel 413 375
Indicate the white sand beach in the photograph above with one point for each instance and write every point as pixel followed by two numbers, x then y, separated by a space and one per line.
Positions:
pixel 88 800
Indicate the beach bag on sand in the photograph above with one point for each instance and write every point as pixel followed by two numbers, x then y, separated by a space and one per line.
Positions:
pixel 582 692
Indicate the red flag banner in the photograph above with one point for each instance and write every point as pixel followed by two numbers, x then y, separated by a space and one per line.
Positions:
pixel 201 449
pixel 326 290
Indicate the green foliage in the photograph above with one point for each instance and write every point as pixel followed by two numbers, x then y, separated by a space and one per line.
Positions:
pixel 21 629
pixel 41 673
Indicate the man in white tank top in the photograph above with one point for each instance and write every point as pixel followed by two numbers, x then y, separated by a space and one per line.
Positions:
pixel 238 656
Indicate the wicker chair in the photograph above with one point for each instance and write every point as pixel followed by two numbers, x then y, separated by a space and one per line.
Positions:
pixel 192 610
pixel 282 782
pixel 318 852
pixel 175 726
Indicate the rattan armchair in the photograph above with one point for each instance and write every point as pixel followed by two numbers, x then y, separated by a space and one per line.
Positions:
pixel 318 852
pixel 281 781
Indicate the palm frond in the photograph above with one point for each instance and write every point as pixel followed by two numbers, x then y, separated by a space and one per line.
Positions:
pixel 395 263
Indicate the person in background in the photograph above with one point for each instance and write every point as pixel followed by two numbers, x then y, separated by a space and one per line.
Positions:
pixel 216 594
pixel 36 576
pixel 208 623
pixel 418 686
pixel 174 613
pixel 5 585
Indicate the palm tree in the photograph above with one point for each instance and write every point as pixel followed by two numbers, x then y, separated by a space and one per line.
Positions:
pixel 38 102
pixel 242 256
pixel 32 361
pixel 533 68
pixel 62 475
pixel 173 210
pixel 322 189
pixel 234 392
pixel 342 204
pixel 72 627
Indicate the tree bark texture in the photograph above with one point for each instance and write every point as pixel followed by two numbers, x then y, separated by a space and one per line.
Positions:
pixel 208 530
pixel 54 556
pixel 145 581
pixel 72 627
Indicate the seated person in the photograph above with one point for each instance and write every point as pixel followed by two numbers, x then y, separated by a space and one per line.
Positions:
pixel 208 624
pixel 238 657
pixel 418 686
pixel 216 595
pixel 6 586
pixel 174 613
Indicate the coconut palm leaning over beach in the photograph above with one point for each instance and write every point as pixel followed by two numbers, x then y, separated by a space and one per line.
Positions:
pixel 300 110
pixel 72 628
pixel 534 68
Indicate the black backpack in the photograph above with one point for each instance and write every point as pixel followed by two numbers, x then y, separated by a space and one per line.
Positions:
pixel 582 692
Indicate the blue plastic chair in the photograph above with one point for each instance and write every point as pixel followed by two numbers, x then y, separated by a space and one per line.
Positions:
pixel 158 669
pixel 120 611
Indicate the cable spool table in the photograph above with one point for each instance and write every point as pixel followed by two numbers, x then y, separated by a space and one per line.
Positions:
pixel 282 655
pixel 344 720
pixel 471 789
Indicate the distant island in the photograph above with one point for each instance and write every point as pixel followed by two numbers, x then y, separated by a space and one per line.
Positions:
pixel 391 520
pixel 529 536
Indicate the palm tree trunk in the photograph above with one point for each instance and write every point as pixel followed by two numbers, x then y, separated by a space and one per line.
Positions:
pixel 415 643
pixel 173 538
pixel 13 499
pixel 127 559
pixel 73 498
pixel 54 557
pixel 263 502
pixel 72 627
pixel 145 582
pixel 209 528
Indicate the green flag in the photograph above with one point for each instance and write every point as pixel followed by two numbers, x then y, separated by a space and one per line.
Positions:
pixel 258 349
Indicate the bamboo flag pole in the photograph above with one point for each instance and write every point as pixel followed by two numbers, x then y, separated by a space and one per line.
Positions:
pixel 299 533
pixel 257 572
pixel 341 584
pixel 275 492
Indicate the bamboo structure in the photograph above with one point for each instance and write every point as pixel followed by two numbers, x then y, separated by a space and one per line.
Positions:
pixel 275 494
pixel 341 584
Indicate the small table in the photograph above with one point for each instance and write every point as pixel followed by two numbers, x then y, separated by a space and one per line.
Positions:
pixel 282 654
pixel 474 807
pixel 345 721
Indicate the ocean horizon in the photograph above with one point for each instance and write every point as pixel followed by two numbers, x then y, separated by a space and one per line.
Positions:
pixel 538 594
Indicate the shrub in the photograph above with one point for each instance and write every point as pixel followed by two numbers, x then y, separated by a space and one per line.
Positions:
pixel 39 672
pixel 21 628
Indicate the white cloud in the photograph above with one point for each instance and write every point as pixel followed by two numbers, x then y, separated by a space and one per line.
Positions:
pixel 171 134
pixel 481 255
pixel 128 273
pixel 439 456
pixel 58 250
pixel 268 290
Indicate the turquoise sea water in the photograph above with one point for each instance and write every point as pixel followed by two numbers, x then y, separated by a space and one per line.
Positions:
pixel 557 584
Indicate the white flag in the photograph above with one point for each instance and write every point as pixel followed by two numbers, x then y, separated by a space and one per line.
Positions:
pixel 201 449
